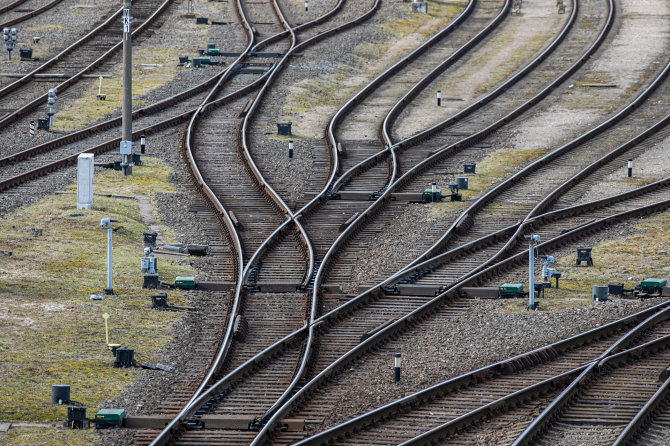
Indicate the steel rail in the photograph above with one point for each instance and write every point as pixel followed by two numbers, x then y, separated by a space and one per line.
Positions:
pixel 166 434
pixel 543 354
pixel 11 6
pixel 386 194
pixel 500 89
pixel 368 213
pixel 334 121
pixel 337 313
pixel 13 116
pixel 605 27
pixel 308 346
pixel 161 105
pixel 644 416
pixel 443 151
pixel 533 216
pixel 26 16
pixel 392 114
pixel 565 149
pixel 153 108
pixel 224 382
pixel 614 360
pixel 473 138
pixel 339 115
pixel 30 75
pixel 552 216
pixel 384 76
pixel 586 370
pixel 114 143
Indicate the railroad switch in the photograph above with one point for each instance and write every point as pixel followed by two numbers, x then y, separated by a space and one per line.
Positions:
pixel 284 128
pixel 599 293
pixel 106 418
pixel 649 287
pixel 549 273
pixel 421 7
pixel 432 195
pixel 26 53
pixel 184 283
pixel 159 301
pixel 60 394
pixel 510 290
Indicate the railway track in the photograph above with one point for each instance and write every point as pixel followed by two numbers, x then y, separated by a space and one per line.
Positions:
pixel 22 10
pixel 272 247
pixel 80 58
pixel 390 209
pixel 469 407
pixel 259 332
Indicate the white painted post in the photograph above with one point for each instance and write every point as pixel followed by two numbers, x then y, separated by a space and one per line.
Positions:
pixel 85 181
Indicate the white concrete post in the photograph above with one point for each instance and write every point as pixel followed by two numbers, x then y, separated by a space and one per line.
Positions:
pixel 85 181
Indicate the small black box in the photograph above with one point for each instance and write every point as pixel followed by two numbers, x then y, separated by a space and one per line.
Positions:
pixel 26 53
pixel 615 289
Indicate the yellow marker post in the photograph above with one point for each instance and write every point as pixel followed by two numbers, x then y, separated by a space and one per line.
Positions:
pixel 105 316
pixel 101 97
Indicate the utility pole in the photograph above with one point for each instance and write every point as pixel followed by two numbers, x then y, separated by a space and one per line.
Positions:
pixel 533 239
pixel 127 123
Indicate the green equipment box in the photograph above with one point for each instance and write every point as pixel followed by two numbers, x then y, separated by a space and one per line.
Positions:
pixel 109 418
pixel 429 197
pixel 184 283
pixel 510 289
pixel 213 51
pixel 653 285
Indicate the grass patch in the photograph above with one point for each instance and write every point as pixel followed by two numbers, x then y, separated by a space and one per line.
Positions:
pixel 311 93
pixel 88 109
pixel 50 332
pixel 497 166
pixel 423 23
pixel 40 436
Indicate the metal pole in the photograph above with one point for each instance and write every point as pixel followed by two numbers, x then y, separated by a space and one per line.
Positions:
pixel 109 259
pixel 531 276
pixel 439 98
pixel 127 122
pixel 630 167
pixel 32 129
